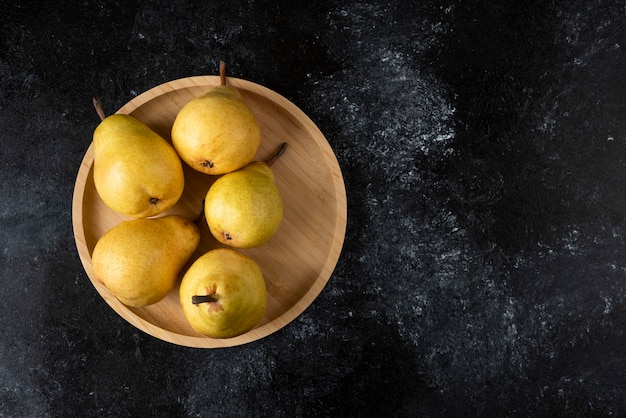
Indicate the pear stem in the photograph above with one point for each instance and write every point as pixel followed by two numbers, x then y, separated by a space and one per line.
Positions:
pixel 277 155
pixel 222 73
pixel 202 299
pixel 99 108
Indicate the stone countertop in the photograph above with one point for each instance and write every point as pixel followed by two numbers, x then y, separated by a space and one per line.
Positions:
pixel 483 148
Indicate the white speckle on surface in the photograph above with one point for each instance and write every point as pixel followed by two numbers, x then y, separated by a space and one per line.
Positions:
pixel 608 305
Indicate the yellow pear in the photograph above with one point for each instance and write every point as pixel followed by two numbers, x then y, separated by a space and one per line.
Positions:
pixel 244 208
pixel 223 294
pixel 216 133
pixel 136 172
pixel 139 260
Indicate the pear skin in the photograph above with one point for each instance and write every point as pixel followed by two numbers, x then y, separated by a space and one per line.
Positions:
pixel 139 260
pixel 244 208
pixel 216 133
pixel 223 294
pixel 136 172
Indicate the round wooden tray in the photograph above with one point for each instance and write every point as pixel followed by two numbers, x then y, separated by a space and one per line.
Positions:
pixel 297 262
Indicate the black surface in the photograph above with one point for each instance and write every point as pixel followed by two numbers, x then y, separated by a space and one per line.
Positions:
pixel 483 146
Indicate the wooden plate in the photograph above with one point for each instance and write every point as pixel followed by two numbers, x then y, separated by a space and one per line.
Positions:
pixel 297 262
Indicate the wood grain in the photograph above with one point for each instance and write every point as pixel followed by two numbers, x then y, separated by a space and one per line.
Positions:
pixel 297 262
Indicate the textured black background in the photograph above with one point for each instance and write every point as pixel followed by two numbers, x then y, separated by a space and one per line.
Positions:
pixel 483 147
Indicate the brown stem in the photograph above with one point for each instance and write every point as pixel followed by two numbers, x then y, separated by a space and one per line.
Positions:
pixel 202 299
pixel 275 157
pixel 222 73
pixel 99 108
